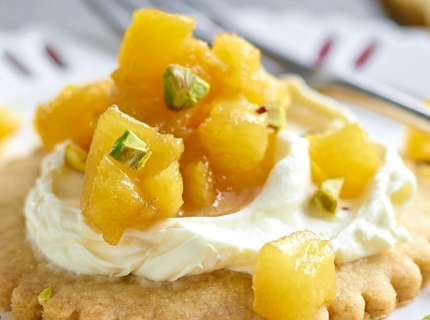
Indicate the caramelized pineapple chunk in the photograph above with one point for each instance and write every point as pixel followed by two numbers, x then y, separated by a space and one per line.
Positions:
pixel 246 73
pixel 241 56
pixel 294 276
pixel 151 41
pixel 234 136
pixel 263 87
pixel 165 189
pixel 73 114
pixel 129 198
pixel 115 199
pixel 347 153
pixel 9 122
pixel 417 145
pixel 199 189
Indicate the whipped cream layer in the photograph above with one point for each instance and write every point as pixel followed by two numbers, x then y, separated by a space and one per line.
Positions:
pixel 176 247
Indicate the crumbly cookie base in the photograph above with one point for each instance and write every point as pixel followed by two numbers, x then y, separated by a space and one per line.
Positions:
pixel 366 289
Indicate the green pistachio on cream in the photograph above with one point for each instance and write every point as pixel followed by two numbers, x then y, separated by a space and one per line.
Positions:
pixel 276 115
pixel 130 150
pixel 326 197
pixel 182 88
pixel 75 157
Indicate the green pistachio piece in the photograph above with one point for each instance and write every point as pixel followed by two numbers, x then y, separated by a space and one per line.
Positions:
pixel 44 296
pixel 130 151
pixel 75 157
pixel 427 317
pixel 182 88
pixel 276 115
pixel 326 197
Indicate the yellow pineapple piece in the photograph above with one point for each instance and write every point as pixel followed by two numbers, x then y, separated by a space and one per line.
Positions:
pixel 115 199
pixel 151 41
pixel 417 145
pixel 198 56
pixel 246 72
pixel 9 122
pixel 294 276
pixel 166 188
pixel 241 56
pixel 264 88
pixel 235 136
pixel 199 189
pixel 73 114
pixel 155 188
pixel 346 153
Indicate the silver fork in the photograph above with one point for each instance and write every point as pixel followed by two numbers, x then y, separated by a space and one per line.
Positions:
pixel 390 102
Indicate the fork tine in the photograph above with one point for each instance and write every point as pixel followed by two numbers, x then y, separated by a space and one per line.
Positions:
pixel 217 11
pixel 117 16
pixel 132 5
pixel 206 29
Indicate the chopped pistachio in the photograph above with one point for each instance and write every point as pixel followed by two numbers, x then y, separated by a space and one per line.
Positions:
pixel 427 317
pixel 130 150
pixel 75 157
pixel 182 88
pixel 326 197
pixel 44 296
pixel 276 115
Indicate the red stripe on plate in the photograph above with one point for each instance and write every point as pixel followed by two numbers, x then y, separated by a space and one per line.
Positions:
pixel 53 54
pixel 13 60
pixel 324 52
pixel 365 55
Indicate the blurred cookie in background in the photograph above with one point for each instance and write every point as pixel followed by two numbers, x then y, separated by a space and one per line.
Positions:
pixel 408 12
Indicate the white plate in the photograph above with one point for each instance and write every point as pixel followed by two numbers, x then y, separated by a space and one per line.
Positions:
pixel 402 61
pixel 30 74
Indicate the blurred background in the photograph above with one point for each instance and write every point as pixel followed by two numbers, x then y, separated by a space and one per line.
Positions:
pixel 73 14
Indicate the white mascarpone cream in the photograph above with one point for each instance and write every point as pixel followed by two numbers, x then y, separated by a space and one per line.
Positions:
pixel 176 247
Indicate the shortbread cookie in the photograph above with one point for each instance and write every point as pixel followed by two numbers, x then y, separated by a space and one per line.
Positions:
pixel 367 289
